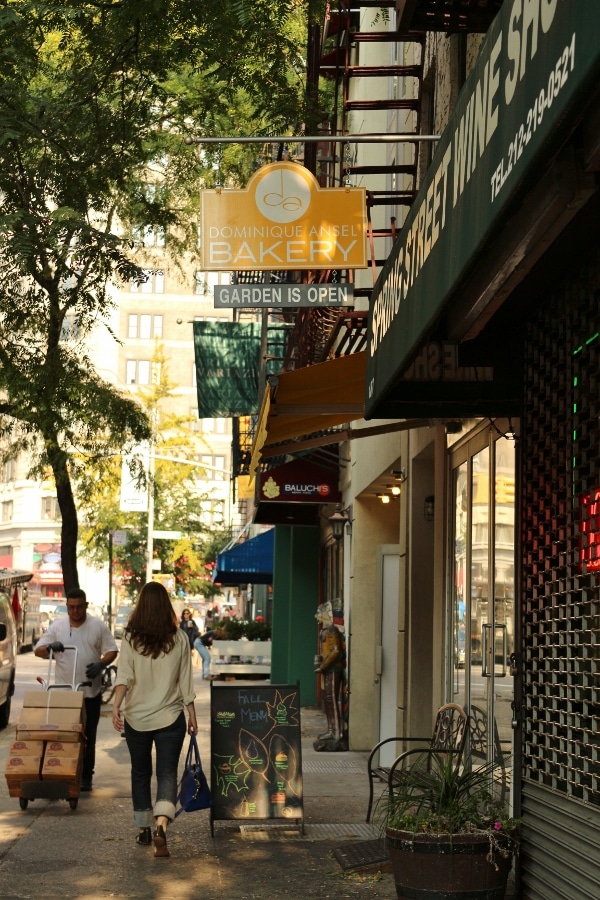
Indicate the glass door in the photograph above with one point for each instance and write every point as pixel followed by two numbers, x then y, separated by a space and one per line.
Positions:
pixel 483 591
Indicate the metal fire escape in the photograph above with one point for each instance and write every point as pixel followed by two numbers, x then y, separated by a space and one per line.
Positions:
pixel 371 54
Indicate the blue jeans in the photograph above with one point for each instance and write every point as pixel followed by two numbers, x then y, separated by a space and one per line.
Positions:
pixel 205 654
pixel 168 742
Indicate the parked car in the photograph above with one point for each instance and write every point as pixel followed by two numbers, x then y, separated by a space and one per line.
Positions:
pixel 8 656
pixel 121 620
pixel 50 609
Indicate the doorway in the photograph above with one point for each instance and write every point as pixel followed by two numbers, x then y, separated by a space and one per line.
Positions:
pixel 386 665
pixel 483 590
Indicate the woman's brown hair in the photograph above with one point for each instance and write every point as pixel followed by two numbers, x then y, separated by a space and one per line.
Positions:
pixel 152 625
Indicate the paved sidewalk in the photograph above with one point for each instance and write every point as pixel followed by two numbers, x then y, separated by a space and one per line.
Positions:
pixel 49 850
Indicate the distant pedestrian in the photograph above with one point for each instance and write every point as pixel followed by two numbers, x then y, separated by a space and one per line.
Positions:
pixel 155 680
pixel 190 628
pixel 202 644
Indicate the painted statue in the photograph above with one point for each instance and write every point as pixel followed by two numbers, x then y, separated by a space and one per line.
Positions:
pixel 331 664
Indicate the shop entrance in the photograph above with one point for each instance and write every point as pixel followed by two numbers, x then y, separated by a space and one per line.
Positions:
pixel 483 589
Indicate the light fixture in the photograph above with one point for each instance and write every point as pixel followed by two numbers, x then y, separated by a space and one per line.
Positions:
pixel 395 489
pixel 338 520
pixel 384 498
pixel 400 475
pixel 429 508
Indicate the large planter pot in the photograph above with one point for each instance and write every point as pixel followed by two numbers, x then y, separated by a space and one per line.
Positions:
pixel 446 867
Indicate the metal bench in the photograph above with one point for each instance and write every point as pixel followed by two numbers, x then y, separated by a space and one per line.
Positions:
pixel 449 735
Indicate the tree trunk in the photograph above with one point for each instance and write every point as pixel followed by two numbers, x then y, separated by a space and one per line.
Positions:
pixel 68 510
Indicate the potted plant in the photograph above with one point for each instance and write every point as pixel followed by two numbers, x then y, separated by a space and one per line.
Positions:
pixel 446 834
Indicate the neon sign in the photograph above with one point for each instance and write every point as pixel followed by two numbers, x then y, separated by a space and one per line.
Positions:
pixel 589 544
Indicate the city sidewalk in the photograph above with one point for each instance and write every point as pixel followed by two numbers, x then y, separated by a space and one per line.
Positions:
pixel 49 850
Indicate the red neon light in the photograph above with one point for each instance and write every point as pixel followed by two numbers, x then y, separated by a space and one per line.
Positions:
pixel 589 542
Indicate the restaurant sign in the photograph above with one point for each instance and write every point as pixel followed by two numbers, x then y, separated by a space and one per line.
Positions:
pixel 537 65
pixel 284 220
pixel 299 482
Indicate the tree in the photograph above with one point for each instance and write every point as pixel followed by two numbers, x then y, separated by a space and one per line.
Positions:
pixel 95 99
pixel 177 502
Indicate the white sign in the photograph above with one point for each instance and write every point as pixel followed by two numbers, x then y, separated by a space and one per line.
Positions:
pixel 167 535
pixel 134 498
pixel 119 538
pixel 293 295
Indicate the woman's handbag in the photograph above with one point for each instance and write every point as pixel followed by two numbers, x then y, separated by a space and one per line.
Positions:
pixel 194 792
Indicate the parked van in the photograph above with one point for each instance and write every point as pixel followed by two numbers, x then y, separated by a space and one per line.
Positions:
pixel 8 653
pixel 25 602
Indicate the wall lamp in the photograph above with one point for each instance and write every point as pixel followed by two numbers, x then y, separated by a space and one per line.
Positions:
pixel 338 520
pixel 429 508
pixel 385 498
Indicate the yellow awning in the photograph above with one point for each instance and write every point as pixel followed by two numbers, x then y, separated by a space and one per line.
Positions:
pixel 311 399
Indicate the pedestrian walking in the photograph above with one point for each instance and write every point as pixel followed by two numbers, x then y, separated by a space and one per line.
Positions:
pixel 96 649
pixel 189 627
pixel 153 688
pixel 202 644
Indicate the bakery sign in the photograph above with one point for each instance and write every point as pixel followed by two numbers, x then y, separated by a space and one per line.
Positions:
pixel 284 220
pixel 299 482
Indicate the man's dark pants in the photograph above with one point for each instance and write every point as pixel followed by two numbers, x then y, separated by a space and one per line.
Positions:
pixel 93 705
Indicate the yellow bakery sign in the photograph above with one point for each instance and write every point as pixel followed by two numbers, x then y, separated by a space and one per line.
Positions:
pixel 284 220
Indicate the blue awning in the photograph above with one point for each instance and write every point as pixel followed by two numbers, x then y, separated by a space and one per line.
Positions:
pixel 247 563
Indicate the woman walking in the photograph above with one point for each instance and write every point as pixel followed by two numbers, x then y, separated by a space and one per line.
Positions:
pixel 155 680
pixel 189 627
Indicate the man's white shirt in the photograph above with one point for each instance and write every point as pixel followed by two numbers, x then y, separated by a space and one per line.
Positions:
pixel 92 639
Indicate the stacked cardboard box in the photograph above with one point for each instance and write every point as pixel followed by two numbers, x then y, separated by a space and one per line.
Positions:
pixel 49 741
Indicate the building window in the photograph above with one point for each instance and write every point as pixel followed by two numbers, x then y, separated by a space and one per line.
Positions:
pixel 138 371
pixel 143 371
pixel 214 426
pixel 200 283
pixel 144 326
pixel 7 510
pixel 214 467
pixel 212 512
pixel 50 509
pixel 149 236
pixel 132 326
pixel 9 470
pixel 154 283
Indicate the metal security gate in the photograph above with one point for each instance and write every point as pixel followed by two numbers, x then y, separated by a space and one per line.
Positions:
pixel 560 623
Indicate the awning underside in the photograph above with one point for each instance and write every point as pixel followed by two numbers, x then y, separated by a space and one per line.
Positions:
pixel 247 563
pixel 309 400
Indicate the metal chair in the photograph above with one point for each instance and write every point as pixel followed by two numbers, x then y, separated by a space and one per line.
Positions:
pixel 478 741
pixel 449 736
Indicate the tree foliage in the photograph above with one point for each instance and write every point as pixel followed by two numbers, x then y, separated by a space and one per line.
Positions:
pixel 178 492
pixel 96 97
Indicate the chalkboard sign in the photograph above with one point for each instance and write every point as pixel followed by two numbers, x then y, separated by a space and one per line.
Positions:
pixel 256 758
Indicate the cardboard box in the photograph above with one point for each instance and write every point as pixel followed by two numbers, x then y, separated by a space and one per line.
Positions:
pixel 53 699
pixel 62 748
pixel 34 717
pixel 70 733
pixel 26 748
pixel 23 767
pixel 60 766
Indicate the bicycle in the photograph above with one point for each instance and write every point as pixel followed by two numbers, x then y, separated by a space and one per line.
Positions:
pixel 108 683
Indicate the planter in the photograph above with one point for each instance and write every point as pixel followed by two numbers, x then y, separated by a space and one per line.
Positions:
pixel 446 867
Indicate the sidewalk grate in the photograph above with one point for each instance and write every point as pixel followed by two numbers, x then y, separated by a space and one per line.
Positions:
pixel 328 767
pixel 355 831
pixel 366 855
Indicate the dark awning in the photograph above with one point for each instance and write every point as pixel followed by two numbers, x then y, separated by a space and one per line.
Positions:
pixel 247 563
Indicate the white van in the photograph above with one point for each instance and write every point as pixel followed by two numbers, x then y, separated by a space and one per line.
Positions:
pixel 8 655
